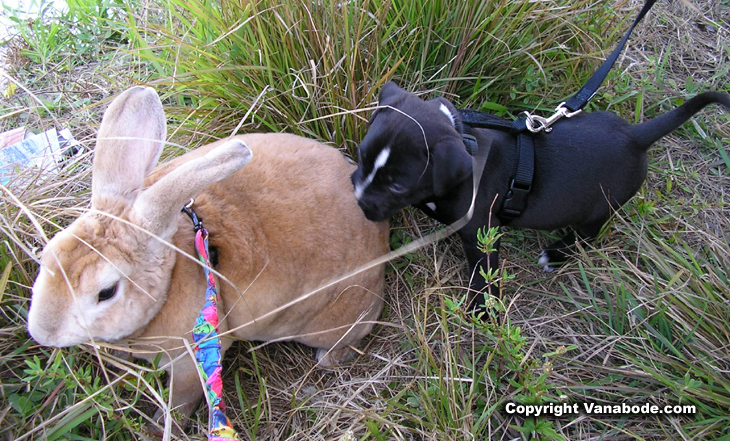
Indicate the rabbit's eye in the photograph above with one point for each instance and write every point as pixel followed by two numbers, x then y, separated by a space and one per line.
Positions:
pixel 108 293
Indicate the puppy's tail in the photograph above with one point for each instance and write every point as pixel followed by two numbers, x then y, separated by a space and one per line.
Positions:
pixel 651 131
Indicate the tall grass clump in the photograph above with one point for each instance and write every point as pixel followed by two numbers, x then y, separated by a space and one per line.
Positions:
pixel 307 67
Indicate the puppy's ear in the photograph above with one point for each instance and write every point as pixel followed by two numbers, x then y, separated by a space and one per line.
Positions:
pixel 451 165
pixel 389 94
pixel 389 91
pixel 451 162
pixel 450 111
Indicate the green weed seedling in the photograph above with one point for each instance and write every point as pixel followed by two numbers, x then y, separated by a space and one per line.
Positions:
pixel 501 365
pixel 487 243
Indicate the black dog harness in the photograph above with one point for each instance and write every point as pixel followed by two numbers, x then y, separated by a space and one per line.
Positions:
pixel 521 181
pixel 526 126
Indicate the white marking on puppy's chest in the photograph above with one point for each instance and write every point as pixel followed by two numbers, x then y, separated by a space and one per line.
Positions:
pixel 379 163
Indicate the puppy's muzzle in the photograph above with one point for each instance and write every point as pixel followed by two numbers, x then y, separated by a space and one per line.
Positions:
pixel 374 208
pixel 373 212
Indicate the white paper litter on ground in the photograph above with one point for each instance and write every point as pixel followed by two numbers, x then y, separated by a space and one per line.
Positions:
pixel 45 151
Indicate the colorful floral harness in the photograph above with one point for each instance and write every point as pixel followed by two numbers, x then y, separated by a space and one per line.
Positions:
pixel 207 343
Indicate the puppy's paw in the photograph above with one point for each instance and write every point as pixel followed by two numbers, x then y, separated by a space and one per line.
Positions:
pixel 544 260
pixel 550 260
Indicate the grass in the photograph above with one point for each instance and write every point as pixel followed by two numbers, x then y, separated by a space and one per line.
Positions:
pixel 308 67
pixel 640 317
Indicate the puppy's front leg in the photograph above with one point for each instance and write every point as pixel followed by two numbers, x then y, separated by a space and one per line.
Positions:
pixel 479 262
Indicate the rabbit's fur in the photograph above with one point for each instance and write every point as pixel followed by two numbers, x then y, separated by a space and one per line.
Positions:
pixel 284 225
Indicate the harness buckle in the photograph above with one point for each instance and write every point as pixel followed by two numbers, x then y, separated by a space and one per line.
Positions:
pixel 536 123
pixel 515 199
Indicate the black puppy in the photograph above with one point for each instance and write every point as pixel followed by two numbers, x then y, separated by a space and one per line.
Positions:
pixel 588 165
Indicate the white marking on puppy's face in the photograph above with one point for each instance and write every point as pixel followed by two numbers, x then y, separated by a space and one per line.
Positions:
pixel 447 112
pixel 379 163
pixel 431 205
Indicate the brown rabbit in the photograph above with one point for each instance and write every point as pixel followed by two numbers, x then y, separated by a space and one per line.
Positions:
pixel 283 226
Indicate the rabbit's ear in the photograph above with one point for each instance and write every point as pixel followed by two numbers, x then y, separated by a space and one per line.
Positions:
pixel 129 143
pixel 160 204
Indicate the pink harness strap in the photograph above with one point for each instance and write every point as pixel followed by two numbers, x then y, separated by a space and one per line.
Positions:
pixel 207 345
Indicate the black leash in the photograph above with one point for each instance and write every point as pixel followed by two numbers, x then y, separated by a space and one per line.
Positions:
pixel 526 126
pixel 484 120
pixel 580 99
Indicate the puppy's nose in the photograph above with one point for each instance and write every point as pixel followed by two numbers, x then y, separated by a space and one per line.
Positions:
pixel 364 205
pixel 371 210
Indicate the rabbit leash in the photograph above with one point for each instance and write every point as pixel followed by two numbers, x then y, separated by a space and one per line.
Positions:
pixel 207 342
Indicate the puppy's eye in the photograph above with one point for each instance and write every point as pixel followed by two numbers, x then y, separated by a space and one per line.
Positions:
pixel 107 293
pixel 397 188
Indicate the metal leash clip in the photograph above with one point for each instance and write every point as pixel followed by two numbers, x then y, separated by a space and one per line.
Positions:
pixel 188 209
pixel 536 123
